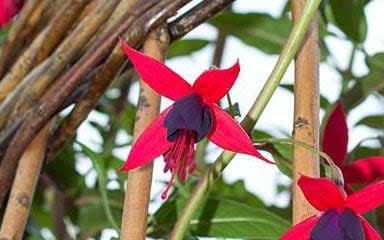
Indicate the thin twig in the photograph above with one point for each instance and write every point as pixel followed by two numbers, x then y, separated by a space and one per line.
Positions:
pixel 306 113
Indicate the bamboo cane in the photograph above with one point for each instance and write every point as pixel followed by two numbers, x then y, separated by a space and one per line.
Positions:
pixel 23 188
pixel 135 213
pixel 306 115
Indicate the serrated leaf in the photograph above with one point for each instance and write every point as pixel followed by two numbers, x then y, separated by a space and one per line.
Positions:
pixel 186 47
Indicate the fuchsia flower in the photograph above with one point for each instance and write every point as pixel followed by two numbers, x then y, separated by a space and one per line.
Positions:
pixel 8 9
pixel 193 116
pixel 340 217
pixel 335 142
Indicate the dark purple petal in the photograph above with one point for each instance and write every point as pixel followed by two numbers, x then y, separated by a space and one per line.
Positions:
pixel 189 113
pixel 351 225
pixel 328 227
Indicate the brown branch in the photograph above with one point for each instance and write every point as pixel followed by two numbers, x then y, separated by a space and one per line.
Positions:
pixel 52 101
pixel 135 213
pixel 109 70
pixel 23 188
pixel 195 16
pixel 23 27
pixel 58 60
pixel 28 92
pixel 56 97
pixel 41 46
pixel 306 116
pixel 183 24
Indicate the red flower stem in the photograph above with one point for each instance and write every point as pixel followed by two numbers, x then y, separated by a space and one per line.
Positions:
pixel 306 113
pixel 206 181
pixel 135 213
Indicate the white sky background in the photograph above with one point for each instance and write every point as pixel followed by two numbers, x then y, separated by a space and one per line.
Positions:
pixel 277 118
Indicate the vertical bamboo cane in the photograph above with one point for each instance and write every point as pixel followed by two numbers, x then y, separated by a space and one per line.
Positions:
pixel 136 202
pixel 306 117
pixel 23 188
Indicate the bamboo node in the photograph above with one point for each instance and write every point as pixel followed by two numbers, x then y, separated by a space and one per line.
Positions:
pixel 300 122
pixel 23 199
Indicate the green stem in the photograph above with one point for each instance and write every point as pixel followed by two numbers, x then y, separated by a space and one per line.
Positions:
pixel 230 106
pixel 335 174
pixel 298 143
pixel 202 188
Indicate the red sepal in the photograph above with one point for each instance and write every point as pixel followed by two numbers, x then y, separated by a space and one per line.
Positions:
pixel 157 75
pixel 367 198
pixel 364 170
pixel 370 232
pixel 212 85
pixel 335 135
pixel 150 144
pixel 228 134
pixel 321 193
pixel 302 230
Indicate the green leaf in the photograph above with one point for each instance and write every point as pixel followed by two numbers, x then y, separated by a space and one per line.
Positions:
pixel 234 110
pixel 223 218
pixel 99 164
pixel 236 192
pixel 373 121
pixel 186 47
pixel 235 220
pixel 259 30
pixel 350 18
pixel 92 220
pixel 226 219
pixel 362 152
pixel 372 82
pixel 281 153
pixel 283 158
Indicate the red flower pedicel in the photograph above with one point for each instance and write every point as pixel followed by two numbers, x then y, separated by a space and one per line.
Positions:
pixel 339 217
pixel 335 142
pixel 193 116
pixel 8 9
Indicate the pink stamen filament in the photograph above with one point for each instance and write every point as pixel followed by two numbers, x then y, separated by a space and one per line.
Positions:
pixel 179 159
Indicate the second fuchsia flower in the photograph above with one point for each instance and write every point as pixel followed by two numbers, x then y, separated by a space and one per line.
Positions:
pixel 335 143
pixel 340 216
pixel 193 116
pixel 8 9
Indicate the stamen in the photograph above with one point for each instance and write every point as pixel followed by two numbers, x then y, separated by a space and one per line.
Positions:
pixel 179 159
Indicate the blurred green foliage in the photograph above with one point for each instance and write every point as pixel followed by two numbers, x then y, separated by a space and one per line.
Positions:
pixel 94 196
